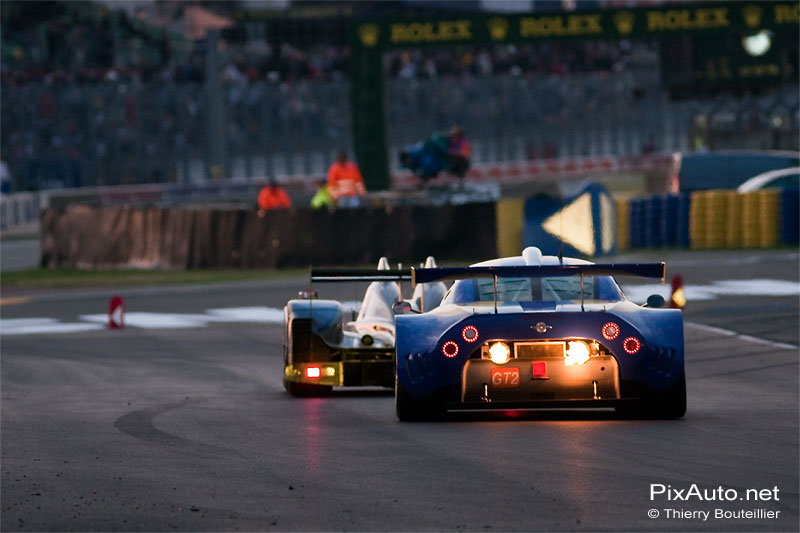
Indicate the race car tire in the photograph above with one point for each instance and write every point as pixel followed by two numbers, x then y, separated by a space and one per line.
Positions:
pixel 412 409
pixel 307 390
pixel 670 404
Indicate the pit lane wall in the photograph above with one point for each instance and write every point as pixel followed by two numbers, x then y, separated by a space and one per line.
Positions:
pixel 185 238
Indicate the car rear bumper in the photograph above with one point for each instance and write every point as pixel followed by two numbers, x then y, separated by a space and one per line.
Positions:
pixel 539 380
pixel 543 404
pixel 352 373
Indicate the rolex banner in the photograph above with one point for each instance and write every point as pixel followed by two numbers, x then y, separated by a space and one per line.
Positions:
pixel 670 19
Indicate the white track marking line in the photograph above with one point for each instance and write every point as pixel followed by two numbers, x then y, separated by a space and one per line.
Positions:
pixel 269 315
pixel 32 326
pixel 746 338
pixel 732 287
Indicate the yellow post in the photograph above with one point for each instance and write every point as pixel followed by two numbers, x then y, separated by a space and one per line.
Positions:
pixel 623 224
pixel 697 220
pixel 509 217
pixel 751 220
pixel 769 217
pixel 733 229
pixel 716 215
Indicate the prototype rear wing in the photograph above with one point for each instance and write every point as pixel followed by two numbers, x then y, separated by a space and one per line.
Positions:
pixel 646 270
pixel 342 275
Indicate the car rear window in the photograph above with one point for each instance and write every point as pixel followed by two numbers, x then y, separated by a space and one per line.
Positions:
pixel 548 289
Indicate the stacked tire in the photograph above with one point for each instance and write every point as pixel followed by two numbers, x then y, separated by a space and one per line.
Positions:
pixel 716 217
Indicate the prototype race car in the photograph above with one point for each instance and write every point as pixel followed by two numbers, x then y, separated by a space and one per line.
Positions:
pixel 323 349
pixel 538 331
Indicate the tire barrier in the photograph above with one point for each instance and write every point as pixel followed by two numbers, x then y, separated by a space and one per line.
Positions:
pixel 769 218
pixel 684 208
pixel 714 219
pixel 790 222
pixel 637 223
pixel 697 220
pixel 733 229
pixel 669 225
pixel 653 237
pixel 751 220
pixel 181 238
pixel 623 223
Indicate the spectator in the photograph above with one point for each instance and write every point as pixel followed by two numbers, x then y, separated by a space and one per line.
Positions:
pixel 458 151
pixel 322 198
pixel 5 178
pixel 449 152
pixel 272 197
pixel 427 158
pixel 345 184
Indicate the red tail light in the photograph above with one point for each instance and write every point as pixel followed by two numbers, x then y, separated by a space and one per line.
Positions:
pixel 470 333
pixel 611 331
pixel 313 372
pixel 450 349
pixel 631 345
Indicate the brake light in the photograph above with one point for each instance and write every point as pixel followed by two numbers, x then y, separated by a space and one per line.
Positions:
pixel 470 333
pixel 539 370
pixel 499 353
pixel 631 345
pixel 577 353
pixel 611 331
pixel 450 349
pixel 313 372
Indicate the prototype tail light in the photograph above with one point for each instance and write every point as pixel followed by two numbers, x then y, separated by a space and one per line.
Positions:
pixel 610 331
pixel 631 345
pixel 313 372
pixel 470 333
pixel 450 349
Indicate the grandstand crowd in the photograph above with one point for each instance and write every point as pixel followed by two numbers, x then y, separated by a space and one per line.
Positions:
pixel 101 96
pixel 94 45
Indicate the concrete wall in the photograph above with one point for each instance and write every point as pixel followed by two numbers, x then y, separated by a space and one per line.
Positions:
pixel 90 237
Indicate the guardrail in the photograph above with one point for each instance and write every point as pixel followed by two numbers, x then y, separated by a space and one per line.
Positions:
pixel 19 210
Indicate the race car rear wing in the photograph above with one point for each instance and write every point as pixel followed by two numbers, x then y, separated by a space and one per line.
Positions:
pixel 337 275
pixel 646 270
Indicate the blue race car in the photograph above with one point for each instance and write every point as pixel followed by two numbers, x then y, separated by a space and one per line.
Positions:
pixel 539 331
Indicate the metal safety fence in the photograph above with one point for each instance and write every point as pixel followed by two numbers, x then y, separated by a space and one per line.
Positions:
pixel 77 135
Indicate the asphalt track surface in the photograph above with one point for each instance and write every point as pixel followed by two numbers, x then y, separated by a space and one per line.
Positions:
pixel 191 430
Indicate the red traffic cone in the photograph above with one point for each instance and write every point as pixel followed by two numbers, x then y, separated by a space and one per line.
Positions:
pixel 116 313
pixel 677 300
